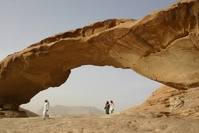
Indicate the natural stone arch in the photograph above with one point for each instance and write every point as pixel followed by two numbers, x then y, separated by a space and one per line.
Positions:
pixel 162 46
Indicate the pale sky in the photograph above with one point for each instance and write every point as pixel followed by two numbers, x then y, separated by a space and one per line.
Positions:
pixel 25 22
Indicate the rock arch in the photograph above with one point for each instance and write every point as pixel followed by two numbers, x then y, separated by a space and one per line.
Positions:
pixel 162 46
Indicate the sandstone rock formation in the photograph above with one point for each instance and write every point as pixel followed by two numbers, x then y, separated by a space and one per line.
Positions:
pixel 168 101
pixel 162 46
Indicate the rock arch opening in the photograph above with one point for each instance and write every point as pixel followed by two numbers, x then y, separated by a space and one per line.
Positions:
pixel 93 86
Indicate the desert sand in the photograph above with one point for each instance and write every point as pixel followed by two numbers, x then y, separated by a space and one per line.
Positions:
pixel 140 122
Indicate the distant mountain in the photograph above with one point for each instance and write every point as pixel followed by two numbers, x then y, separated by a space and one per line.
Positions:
pixel 60 110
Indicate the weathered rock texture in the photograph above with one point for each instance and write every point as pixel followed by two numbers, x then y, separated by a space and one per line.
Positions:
pixel 168 101
pixel 163 46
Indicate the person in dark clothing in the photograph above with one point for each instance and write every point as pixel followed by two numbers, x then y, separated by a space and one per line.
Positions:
pixel 107 107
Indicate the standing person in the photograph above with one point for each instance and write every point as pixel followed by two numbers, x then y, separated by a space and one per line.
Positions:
pixel 107 107
pixel 45 110
pixel 111 106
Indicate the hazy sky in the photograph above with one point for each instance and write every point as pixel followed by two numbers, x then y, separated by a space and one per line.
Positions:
pixel 25 22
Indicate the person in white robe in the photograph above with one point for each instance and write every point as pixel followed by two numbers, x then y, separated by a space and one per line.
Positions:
pixel 111 107
pixel 45 109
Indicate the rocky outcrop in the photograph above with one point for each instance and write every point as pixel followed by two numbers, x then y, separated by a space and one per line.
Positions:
pixel 162 46
pixel 168 101
pixel 12 114
pixel 17 113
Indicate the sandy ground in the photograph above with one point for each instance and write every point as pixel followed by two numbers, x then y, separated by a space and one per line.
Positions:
pixel 114 123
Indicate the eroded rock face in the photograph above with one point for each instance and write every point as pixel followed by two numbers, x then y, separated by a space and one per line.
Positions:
pixel 163 46
pixel 168 101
